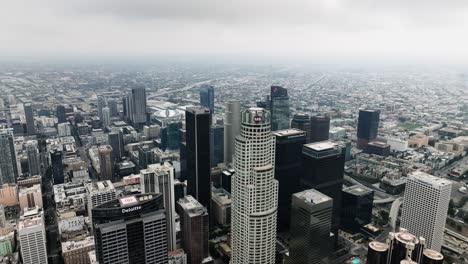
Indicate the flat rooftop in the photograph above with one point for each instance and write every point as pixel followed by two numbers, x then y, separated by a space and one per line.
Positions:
pixel 288 132
pixel 357 190
pixel 192 206
pixel 429 179
pixel 312 196
pixel 321 146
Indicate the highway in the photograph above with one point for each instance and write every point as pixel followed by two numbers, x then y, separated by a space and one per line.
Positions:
pixel 186 88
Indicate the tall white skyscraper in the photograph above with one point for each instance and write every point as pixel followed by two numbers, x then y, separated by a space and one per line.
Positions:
pixel 231 128
pixel 425 206
pixel 106 116
pixel 159 178
pixel 32 237
pixel 254 191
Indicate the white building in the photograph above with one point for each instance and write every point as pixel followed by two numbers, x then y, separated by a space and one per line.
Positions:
pixel 99 193
pixel 106 117
pixel 151 131
pixel 30 197
pixel 221 206
pixel 159 178
pixel 425 206
pixel 254 191
pixel 32 237
pixel 177 257
pixel 64 130
pixel 397 144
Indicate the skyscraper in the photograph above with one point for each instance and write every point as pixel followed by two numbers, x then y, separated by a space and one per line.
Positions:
pixel 425 206
pixel 194 224
pixel 29 114
pixel 56 158
pixel 302 122
pixel 159 178
pixel 105 112
pixel 33 159
pixel 170 135
pixel 254 191
pixel 131 229
pixel 288 170
pixel 61 114
pixel 207 97
pixel 280 111
pixel 106 163
pixel 319 128
pixel 356 210
pixel 198 122
pixel 116 142
pixel 101 103
pixel 311 216
pixel 138 105
pixel 145 156
pixel 368 126
pixel 231 128
pixel 98 193
pixel 217 144
pixel 32 237
pixel 323 168
pixel 113 107
pixel 8 165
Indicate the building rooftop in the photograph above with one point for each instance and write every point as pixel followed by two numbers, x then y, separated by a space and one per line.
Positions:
pixel 321 146
pixel 312 196
pixel 74 245
pixel 357 190
pixel 289 132
pixel 100 186
pixel 429 179
pixel 192 206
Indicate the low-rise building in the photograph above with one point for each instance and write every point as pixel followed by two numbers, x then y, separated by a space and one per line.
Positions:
pixel 77 252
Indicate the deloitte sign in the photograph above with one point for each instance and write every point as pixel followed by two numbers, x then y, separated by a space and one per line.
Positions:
pixel 131 209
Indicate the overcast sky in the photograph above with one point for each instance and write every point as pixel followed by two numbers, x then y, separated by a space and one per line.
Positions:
pixel 423 30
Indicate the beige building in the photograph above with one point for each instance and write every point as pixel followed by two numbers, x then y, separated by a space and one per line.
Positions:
pixel 30 197
pixel 418 140
pixel 9 194
pixel 76 252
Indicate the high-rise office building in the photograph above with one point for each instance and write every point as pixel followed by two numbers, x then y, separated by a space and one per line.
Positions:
pixel 56 160
pixel 138 105
pixel 105 112
pixel 64 129
pixel 323 168
pixel 198 122
pixel 217 144
pixel 101 103
pixel 98 193
pixel 8 165
pixel 356 210
pixel 319 128
pixel 425 207
pixel 32 237
pixel 61 114
pixel 288 170
pixel 131 229
pixel 170 135
pixel 29 114
pixel 232 121
pixel 106 164
pixel 377 253
pixel 159 178
pixel 207 97
pixel 368 126
pixel 113 107
pixel 302 122
pixel 194 224
pixel 311 216
pixel 33 159
pixel 145 156
pixel 254 191
pixel 116 142
pixel 280 112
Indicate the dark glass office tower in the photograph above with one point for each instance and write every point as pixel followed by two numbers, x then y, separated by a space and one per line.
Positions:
pixel 170 135
pixel 8 165
pixel 145 156
pixel 356 211
pixel 29 114
pixel 280 111
pixel 319 128
pixel 113 107
pixel 116 142
pixel 56 158
pixel 33 159
pixel 311 216
pixel 302 122
pixel 207 97
pixel 131 230
pixel 323 168
pixel 217 145
pixel 198 123
pixel 61 114
pixel 288 169
pixel 138 105
pixel 368 126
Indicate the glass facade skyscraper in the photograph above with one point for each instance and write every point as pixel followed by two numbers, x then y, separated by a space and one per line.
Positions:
pixel 8 165
pixel 368 126
pixel 302 122
pixel 29 114
pixel 280 112
pixel 138 106
pixel 198 123
pixel 319 128
pixel 217 144
pixel 207 97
